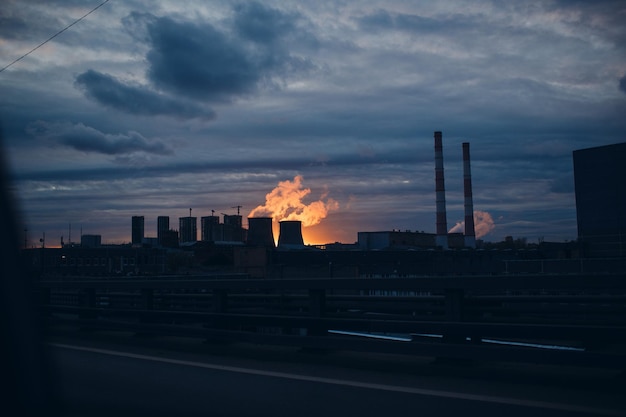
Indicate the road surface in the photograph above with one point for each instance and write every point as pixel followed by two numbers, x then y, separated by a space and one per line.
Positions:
pixel 106 377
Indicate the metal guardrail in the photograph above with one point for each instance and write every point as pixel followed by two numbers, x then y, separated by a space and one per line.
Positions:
pixel 586 313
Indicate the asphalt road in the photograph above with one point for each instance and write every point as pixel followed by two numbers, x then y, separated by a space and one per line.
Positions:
pixel 105 377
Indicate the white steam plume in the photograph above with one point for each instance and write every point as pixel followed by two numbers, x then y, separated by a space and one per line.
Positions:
pixel 483 224
pixel 285 203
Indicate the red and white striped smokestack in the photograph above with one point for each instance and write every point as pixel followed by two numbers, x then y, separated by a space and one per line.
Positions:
pixel 470 234
pixel 442 223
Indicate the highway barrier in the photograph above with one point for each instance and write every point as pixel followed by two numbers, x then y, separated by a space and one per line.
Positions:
pixel 574 319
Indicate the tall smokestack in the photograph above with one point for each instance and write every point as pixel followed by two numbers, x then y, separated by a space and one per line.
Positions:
pixel 470 234
pixel 260 231
pixel 442 223
pixel 290 235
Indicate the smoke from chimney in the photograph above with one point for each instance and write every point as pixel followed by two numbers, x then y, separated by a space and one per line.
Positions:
pixel 470 235
pixel 442 223
pixel 285 202
pixel 483 224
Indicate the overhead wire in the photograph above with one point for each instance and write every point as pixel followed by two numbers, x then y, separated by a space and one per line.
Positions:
pixel 55 35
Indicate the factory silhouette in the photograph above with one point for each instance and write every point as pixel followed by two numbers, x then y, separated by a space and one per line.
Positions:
pixel 260 229
pixel 600 181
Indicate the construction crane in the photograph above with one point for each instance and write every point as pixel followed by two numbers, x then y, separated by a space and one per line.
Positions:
pixel 237 207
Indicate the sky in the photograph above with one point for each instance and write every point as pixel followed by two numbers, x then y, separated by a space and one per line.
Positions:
pixel 322 111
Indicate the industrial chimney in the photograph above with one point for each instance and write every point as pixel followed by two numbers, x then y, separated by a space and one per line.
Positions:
pixel 442 223
pixel 260 232
pixel 470 234
pixel 290 235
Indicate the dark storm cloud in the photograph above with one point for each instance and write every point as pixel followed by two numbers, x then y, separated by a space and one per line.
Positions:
pixel 262 24
pixel 200 61
pixel 87 139
pixel 110 92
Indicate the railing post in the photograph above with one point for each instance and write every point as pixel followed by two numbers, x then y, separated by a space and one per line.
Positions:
pixel 45 299
pixel 147 296
pixel 220 306
pixel 147 303
pixel 317 302
pixel 454 298
pixel 220 301
pixel 88 301
pixel 454 304
pixel 317 307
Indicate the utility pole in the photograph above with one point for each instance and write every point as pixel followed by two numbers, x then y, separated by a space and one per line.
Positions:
pixel 237 207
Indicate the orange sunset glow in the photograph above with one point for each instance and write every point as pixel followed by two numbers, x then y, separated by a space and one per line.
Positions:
pixel 319 234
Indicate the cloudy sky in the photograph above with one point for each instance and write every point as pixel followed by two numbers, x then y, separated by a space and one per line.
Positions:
pixel 323 108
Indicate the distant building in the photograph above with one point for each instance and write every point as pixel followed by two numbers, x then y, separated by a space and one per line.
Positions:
pixel 209 228
pixel 187 229
pixel 137 230
pixel 395 239
pixel 456 240
pixel 600 184
pixel 169 239
pixel 90 241
pixel 232 229
pixel 150 242
pixel 163 225
pixel 338 246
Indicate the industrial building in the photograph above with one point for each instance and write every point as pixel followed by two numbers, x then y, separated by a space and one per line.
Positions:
pixel 91 241
pixel 105 260
pixel 395 239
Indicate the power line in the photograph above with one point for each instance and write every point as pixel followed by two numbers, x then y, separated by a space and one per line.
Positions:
pixel 55 35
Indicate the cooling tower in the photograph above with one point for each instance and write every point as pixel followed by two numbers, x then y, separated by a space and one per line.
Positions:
pixel 470 234
pixel 290 234
pixel 442 223
pixel 260 231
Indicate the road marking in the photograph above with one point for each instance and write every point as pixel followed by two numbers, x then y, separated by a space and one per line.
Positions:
pixel 357 384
